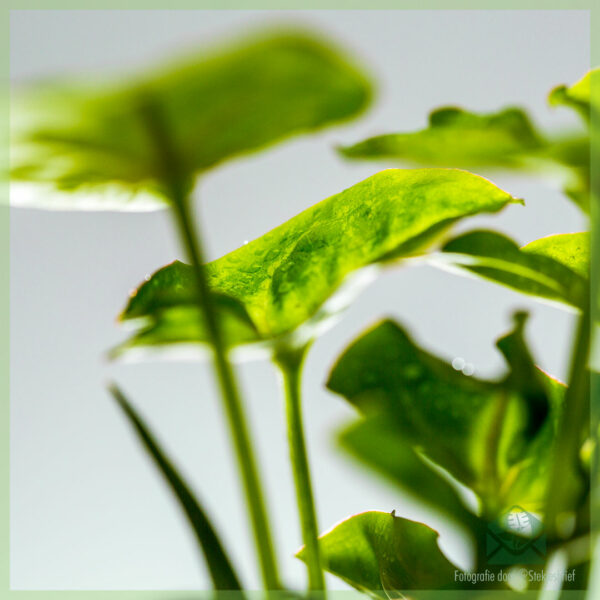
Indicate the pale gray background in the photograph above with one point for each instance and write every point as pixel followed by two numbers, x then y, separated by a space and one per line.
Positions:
pixel 88 510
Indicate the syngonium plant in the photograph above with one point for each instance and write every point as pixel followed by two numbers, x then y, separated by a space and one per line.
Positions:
pixel 423 425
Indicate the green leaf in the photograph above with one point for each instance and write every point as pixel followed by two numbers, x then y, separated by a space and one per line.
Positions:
pixel 458 138
pixel 569 249
pixel 506 139
pixel 577 96
pixel 163 313
pixel 554 267
pixel 397 460
pixel 526 480
pixel 478 431
pixel 285 278
pixel 379 553
pixel 219 565
pixel 95 139
pixel 568 161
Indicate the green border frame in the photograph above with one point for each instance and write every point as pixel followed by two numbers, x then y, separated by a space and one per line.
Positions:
pixel 592 6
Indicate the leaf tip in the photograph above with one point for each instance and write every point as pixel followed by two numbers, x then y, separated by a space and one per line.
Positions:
pixel 345 151
pixel 113 390
pixel 557 95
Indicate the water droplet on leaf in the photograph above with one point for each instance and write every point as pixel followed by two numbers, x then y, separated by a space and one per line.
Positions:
pixel 458 363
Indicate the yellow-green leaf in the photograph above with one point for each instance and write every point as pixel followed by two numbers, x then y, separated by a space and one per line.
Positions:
pixel 284 279
pixel 555 267
pixel 96 139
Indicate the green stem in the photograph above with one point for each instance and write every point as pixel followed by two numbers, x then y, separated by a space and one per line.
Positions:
pixel 233 406
pixel 573 425
pixel 491 481
pixel 177 187
pixel 290 362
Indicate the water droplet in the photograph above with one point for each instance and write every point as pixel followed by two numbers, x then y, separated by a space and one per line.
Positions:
pixel 245 242
pixel 147 278
pixel 468 369
pixel 458 363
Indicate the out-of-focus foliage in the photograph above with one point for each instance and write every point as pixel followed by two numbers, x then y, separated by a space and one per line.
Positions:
pixel 577 96
pixel 458 138
pixel 219 566
pixel 506 139
pixel 99 140
pixel 484 433
pixel 427 427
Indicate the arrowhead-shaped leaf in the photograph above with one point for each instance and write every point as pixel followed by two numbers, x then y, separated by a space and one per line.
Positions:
pixel 479 431
pixel 554 267
pixel 284 279
pixel 381 554
pixel 215 106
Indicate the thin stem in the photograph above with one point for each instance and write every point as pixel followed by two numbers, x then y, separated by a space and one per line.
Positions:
pixel 235 412
pixel 290 363
pixel 572 426
pixel 177 186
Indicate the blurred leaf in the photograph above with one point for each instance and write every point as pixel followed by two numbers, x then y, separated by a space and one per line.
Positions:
pixel 554 267
pixel 577 96
pixel 568 161
pixel 284 278
pixel 526 480
pixel 476 430
pixel 95 140
pixel 458 138
pixel 379 553
pixel 395 458
pixel 506 139
pixel 222 573
pixel 523 376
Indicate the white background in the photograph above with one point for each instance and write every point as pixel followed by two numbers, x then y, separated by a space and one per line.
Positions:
pixel 88 510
